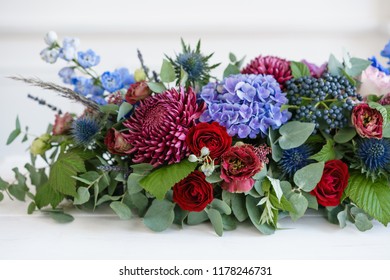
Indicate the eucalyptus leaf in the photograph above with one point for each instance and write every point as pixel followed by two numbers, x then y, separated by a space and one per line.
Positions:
pixel 106 198
pixel 3 184
pixel 326 153
pixel 308 177
pixel 121 209
pixel 312 200
pixel 239 207
pixel 1 196
pixel 195 218
pixel 344 135
pixel 254 213
pixel 358 65
pixel 82 197
pixel 31 207
pixel 342 218
pixel 362 222
pixel 334 65
pixel 286 188
pixel 183 77
pixel 221 206
pixel 61 217
pixel 15 133
pixel 232 57
pixel 167 72
pixel 300 204
pixel 229 222
pixel 214 178
pixel 294 134
pixel 231 69
pixel 386 131
pixel 180 216
pixel 133 183
pixel 277 152
pixel 157 87
pixel 381 109
pixel 124 109
pixel 160 215
pixel 142 168
pixel 216 220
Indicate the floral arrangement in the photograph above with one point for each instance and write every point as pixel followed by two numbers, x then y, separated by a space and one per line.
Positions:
pixel 268 140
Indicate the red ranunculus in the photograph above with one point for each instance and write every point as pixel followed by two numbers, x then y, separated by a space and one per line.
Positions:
pixel 62 124
pixel 367 121
pixel 193 193
pixel 116 143
pixel 213 136
pixel 333 182
pixel 137 91
pixel 238 165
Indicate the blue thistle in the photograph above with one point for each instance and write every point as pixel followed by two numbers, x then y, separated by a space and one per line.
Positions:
pixel 294 159
pixel 192 63
pixel 374 155
pixel 84 130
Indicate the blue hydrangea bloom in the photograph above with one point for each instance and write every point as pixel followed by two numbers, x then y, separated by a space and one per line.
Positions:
pixel 67 74
pixel 88 59
pixel 111 81
pixel 82 85
pixel 294 159
pixel 386 51
pixel 375 63
pixel 247 105
pixel 84 130
pixel 126 78
pixel 69 48
pixel 374 154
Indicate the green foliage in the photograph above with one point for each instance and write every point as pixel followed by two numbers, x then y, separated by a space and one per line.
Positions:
pixel 358 65
pixel 308 177
pixel 3 185
pixel 15 133
pixel 82 197
pixel 195 218
pixel 382 110
pixel 157 87
pixel 254 213
pixel 312 200
pixel 300 204
pixel 344 135
pixel 124 109
pixel 231 69
pixel 60 216
pixel 372 197
pixel 221 206
pixel 31 208
pixel 334 66
pixel 47 195
pixel 214 178
pixel 362 222
pixel 216 220
pixel 239 207
pixel 180 216
pixel 1 196
pixel 160 215
pixel 161 180
pixel 277 152
pixel 121 209
pixel 18 189
pixel 299 69
pixel 167 72
pixel 294 134
pixel 229 222
pixel 326 153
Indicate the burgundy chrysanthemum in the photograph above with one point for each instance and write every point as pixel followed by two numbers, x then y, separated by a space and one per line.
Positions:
pixel 159 125
pixel 270 65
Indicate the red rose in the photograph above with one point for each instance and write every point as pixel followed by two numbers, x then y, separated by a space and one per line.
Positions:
pixel 63 124
pixel 239 164
pixel 137 91
pixel 333 182
pixel 116 143
pixel 213 136
pixel 367 121
pixel 193 193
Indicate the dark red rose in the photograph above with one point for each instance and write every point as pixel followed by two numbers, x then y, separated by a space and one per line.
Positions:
pixel 116 143
pixel 332 184
pixel 62 124
pixel 137 91
pixel 213 136
pixel 367 121
pixel 238 165
pixel 193 193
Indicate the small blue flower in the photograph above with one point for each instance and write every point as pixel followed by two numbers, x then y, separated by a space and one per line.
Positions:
pixel 88 59
pixel 386 51
pixel 99 100
pixel 374 154
pixel 82 85
pixel 67 74
pixel 49 55
pixel 69 48
pixel 111 81
pixel 294 159
pixel 375 63
pixel 84 130
pixel 126 78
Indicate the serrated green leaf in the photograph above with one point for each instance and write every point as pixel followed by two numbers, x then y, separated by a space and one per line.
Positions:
pixel 358 65
pixel 82 197
pixel 124 109
pixel 254 213
pixel 238 207
pixel 167 72
pixel 37 176
pixel 231 69
pixel 372 197
pixel 1 196
pixel 15 133
pixel 195 218
pixel 121 209
pixel 61 217
pixel 300 204
pixel 31 208
pixel 142 168
pixel 312 200
pixel 61 172
pixel 294 134
pixel 362 222
pixel 160 215
pixel 326 153
pixel 334 65
pixel 216 220
pixel 308 177
pixel 3 184
pixel 299 69
pixel 161 180
pixel 157 87
pixel 344 135
pixel 221 206
pixel 275 183
pixel 342 218
pixel 46 195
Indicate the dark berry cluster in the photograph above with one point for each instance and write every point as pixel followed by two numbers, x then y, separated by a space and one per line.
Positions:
pixel 326 101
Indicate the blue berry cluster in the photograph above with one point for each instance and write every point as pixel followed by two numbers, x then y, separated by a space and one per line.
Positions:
pixel 326 101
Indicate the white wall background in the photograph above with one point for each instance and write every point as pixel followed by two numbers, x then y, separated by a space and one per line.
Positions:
pixel 115 29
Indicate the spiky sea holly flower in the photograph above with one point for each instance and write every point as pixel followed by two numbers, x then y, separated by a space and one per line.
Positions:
pixel 294 159
pixel 374 155
pixel 84 130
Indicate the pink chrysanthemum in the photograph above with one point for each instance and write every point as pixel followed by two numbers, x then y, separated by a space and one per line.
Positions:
pixel 158 127
pixel 270 65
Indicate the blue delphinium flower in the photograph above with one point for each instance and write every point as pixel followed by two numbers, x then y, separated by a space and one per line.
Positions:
pixel 99 100
pixel 67 74
pixel 84 130
pixel 294 159
pixel 88 59
pixel 82 85
pixel 247 105
pixel 126 78
pixel 386 51
pixel 111 81
pixel 49 55
pixel 69 48
pixel 374 154
pixel 375 63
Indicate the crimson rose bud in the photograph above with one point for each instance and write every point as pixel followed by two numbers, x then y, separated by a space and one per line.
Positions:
pixel 333 182
pixel 137 91
pixel 367 121
pixel 62 124
pixel 193 193
pixel 213 136
pixel 116 143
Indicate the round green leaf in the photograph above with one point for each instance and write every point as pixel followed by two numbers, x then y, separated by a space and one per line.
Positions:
pixel 344 135
pixel 82 197
pixel 195 218
pixel 216 220
pixel 121 209
pixel 254 213
pixel 160 215
pixel 294 134
pixel 300 203
pixel 61 217
pixel 221 206
pixel 308 177
pixel 362 222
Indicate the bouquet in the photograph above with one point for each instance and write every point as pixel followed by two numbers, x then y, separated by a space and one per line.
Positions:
pixel 263 142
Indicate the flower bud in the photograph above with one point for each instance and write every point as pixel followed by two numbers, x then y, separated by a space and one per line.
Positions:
pixel 40 145
pixel 139 75
pixel 137 92
pixel 50 38
pixel 192 158
pixel 204 151
pixel 116 142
